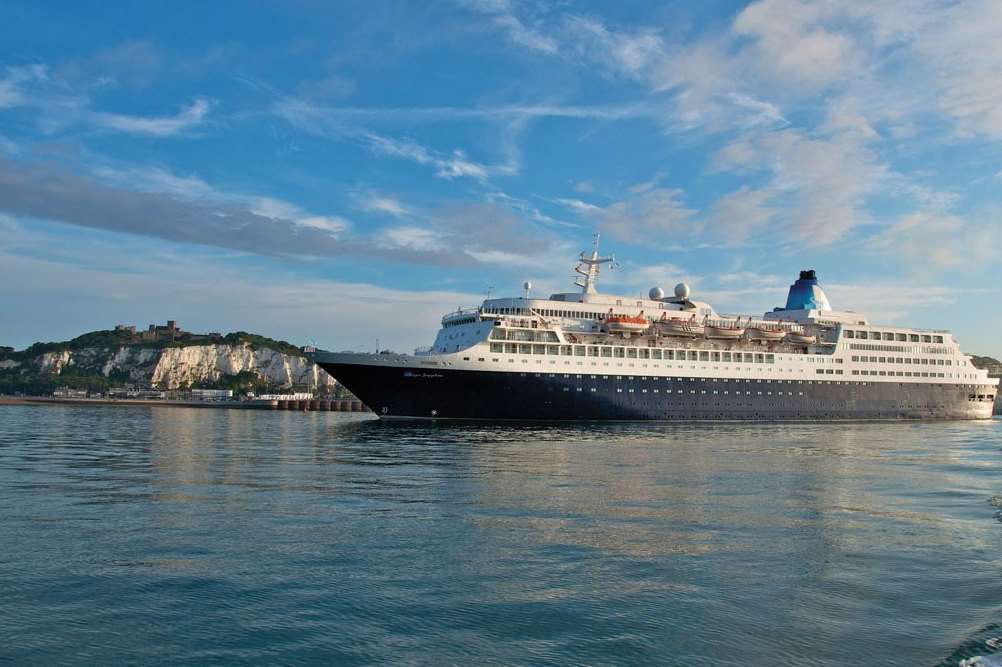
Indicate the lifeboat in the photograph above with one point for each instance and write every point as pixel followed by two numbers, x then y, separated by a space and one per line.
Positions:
pixel 724 330
pixel 626 323
pixel 681 328
pixel 766 333
pixel 800 338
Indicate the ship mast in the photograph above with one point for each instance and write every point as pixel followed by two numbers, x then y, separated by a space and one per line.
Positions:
pixel 588 268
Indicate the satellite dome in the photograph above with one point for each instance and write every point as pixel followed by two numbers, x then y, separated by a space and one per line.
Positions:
pixel 527 285
pixel 656 294
pixel 682 291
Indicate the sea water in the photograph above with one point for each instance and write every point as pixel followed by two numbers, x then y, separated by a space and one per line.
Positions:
pixel 164 535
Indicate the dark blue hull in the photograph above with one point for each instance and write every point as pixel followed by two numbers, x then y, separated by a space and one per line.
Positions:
pixel 462 394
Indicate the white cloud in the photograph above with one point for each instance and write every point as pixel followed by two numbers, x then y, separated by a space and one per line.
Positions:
pixel 12 91
pixel 629 53
pixel 503 18
pixel 447 166
pixel 793 43
pixel 522 35
pixel 818 185
pixel 192 188
pixel 577 205
pixel 740 215
pixel 282 210
pixel 157 179
pixel 658 216
pixel 367 199
pixel 845 115
pixel 962 47
pixel 639 278
pixel 186 119
pixel 941 241
pixel 891 302
pixel 207 294
pixel 416 238
pixel 388 205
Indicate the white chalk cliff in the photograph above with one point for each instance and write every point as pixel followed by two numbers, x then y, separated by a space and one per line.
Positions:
pixel 172 367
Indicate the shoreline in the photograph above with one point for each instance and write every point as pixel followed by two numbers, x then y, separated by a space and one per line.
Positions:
pixel 48 400
pixel 319 405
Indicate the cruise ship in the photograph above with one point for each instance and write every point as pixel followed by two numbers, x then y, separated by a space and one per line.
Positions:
pixel 584 355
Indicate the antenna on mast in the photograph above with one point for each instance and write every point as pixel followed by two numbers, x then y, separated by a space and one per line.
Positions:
pixel 588 268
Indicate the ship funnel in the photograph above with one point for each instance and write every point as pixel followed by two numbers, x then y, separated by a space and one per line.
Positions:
pixel 806 293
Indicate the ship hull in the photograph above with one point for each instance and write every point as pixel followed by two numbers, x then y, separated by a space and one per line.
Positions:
pixel 419 392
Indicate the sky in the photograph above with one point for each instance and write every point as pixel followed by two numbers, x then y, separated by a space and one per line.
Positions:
pixel 343 174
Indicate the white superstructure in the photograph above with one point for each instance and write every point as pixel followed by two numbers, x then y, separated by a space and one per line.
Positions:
pixel 568 332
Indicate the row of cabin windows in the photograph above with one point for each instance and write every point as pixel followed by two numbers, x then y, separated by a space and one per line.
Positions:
pixel 887 335
pixel 525 335
pixel 594 377
pixel 907 374
pixel 881 348
pixel 906 360
pixel 460 322
pixel 546 312
pixel 553 312
pixel 609 352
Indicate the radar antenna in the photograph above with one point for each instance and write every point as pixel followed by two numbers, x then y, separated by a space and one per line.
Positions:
pixel 588 268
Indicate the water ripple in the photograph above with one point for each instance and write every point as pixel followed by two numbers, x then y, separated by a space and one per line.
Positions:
pixel 163 536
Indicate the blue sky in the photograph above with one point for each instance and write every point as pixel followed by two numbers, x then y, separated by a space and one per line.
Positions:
pixel 342 172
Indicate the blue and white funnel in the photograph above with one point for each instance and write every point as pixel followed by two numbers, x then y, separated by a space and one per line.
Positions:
pixel 806 294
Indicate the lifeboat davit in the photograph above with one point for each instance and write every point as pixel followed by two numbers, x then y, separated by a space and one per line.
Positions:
pixel 724 330
pixel 768 334
pixel 626 323
pixel 800 338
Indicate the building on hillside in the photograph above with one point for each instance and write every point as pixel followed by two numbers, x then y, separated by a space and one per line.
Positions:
pixel 156 332
pixel 127 328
